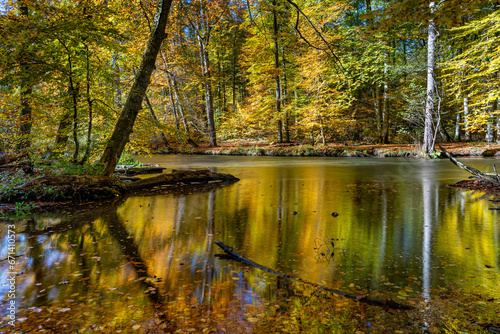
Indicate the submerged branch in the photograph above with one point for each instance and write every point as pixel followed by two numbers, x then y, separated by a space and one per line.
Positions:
pixel 386 304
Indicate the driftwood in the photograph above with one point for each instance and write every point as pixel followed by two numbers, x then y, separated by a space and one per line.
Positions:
pixel 491 178
pixel 386 304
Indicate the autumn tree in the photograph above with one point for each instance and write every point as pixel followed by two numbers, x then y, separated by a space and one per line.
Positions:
pixel 472 75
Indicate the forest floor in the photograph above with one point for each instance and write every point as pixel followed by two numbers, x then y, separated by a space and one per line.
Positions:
pixel 341 150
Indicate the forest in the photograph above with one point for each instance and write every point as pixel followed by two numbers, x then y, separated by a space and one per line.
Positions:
pixel 277 71
pixel 95 92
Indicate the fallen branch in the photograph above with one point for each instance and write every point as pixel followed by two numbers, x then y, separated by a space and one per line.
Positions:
pixel 477 173
pixel 386 304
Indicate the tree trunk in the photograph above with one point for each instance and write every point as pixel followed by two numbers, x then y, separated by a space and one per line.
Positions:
pixel 466 119
pixel 489 126
pixel 89 104
pixel 25 117
pixel 125 124
pixel 384 138
pixel 62 132
pixel 234 73
pixel 156 121
pixel 205 67
pixel 457 127
pixel 428 145
pixel 378 109
pixel 497 121
pixel 277 76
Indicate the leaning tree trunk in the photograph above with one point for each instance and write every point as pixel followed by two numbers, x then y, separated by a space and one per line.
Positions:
pixel 428 145
pixel 125 124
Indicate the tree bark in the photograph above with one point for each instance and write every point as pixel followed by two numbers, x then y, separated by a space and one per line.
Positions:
pixel 277 75
pixel 125 124
pixel 384 138
pixel 25 117
pixel 86 156
pixel 428 145
pixel 457 127
pixel 209 105
pixel 466 119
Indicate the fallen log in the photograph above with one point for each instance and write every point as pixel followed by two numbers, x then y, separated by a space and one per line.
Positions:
pixel 386 304
pixel 71 180
pixel 140 170
pixel 8 158
pixel 87 187
pixel 491 178
pixel 181 177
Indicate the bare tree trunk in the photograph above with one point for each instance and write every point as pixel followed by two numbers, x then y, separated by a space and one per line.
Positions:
pixel 277 76
pixel 457 126
pixel 125 124
pixel 428 145
pixel 384 138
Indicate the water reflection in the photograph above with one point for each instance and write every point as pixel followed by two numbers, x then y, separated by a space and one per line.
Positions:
pixel 398 229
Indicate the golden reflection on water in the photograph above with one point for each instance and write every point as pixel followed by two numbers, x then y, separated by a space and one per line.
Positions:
pixel 398 226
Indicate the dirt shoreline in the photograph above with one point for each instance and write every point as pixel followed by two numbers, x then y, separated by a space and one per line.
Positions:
pixel 341 150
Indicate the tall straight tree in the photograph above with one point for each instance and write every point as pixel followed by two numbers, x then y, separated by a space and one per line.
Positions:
pixel 277 75
pixel 428 145
pixel 133 104
pixel 25 117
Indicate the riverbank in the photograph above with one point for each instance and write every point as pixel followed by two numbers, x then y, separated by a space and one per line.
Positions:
pixel 473 149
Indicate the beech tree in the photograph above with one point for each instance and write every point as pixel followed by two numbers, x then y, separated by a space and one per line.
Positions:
pixel 430 105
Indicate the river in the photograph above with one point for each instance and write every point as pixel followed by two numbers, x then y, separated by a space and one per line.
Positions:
pixel 399 231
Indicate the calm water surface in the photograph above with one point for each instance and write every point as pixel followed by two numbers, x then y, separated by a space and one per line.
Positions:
pixel 398 225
